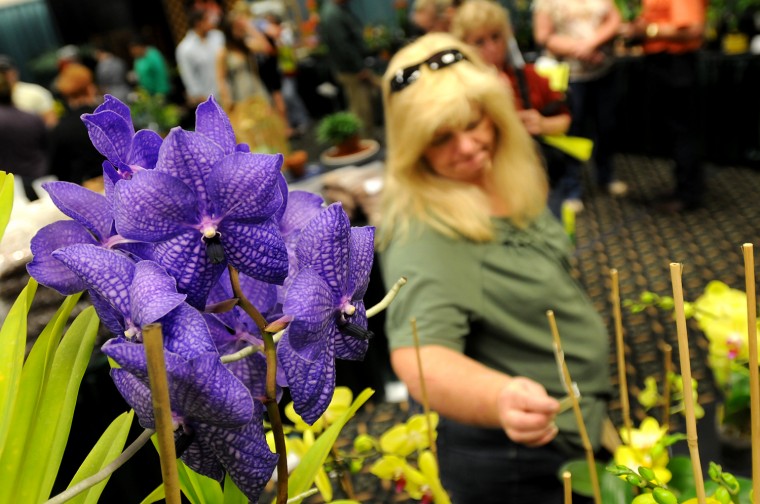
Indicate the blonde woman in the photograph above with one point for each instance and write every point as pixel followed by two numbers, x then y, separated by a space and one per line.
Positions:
pixel 465 220
pixel 485 24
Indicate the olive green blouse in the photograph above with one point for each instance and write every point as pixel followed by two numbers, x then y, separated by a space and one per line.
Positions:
pixel 489 301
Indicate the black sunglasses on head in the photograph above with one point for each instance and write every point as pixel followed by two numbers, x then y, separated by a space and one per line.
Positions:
pixel 408 75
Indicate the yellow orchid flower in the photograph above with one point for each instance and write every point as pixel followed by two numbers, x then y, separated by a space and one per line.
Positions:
pixel 341 401
pixel 423 484
pixel 296 449
pixel 638 450
pixel 409 437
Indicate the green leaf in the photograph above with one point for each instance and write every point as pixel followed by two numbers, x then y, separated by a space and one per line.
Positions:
pixel 581 477
pixel 105 451
pixel 232 494
pixel 683 474
pixel 34 377
pixel 6 200
pixel 199 489
pixel 51 430
pixel 155 496
pixel 12 343
pixel 302 478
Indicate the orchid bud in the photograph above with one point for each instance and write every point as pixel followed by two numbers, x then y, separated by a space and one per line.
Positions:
pixel 664 496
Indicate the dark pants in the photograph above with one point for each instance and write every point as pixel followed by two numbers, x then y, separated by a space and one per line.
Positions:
pixel 593 105
pixel 672 92
pixel 481 466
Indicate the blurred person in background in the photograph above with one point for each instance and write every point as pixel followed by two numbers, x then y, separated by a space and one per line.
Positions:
pixel 23 138
pixel 433 15
pixel 671 33
pixel 72 156
pixel 111 74
pixel 150 68
pixel 581 33
pixel 27 96
pixel 196 57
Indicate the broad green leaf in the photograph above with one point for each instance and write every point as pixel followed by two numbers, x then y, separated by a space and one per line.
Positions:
pixel 155 496
pixel 302 478
pixel 105 451
pixel 12 343
pixel 581 477
pixel 6 200
pixel 683 475
pixel 232 494
pixel 51 430
pixel 199 489
pixel 32 385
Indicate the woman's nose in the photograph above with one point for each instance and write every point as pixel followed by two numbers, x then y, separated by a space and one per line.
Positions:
pixel 466 142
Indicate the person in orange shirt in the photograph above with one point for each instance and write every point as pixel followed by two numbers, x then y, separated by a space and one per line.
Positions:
pixel 671 33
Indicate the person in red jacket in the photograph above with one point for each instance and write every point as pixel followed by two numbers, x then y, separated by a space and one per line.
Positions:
pixel 543 111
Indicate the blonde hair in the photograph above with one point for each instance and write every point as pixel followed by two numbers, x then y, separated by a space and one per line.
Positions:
pixel 479 14
pixel 446 98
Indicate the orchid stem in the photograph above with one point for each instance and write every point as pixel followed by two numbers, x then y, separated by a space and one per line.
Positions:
pixel 153 342
pixel 96 478
pixel 667 351
pixel 273 409
pixel 388 299
pixel 241 354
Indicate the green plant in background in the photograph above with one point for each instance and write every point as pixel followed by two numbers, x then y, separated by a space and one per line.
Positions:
pixel 154 112
pixel 629 9
pixel 336 128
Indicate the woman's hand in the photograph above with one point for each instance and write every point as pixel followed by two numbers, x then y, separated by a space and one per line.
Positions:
pixel 532 120
pixel 526 412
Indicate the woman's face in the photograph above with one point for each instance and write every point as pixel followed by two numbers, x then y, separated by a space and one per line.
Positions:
pixel 463 154
pixel 491 44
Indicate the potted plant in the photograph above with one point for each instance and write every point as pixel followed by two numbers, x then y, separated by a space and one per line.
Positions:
pixel 341 131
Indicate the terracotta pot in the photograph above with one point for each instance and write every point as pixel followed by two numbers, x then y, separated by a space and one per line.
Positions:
pixel 350 145
pixel 296 163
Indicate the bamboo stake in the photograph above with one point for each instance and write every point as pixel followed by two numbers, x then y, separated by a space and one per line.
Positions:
pixel 667 351
pixel 577 410
pixel 622 375
pixel 423 388
pixel 568 486
pixel 159 389
pixel 754 385
pixel 688 393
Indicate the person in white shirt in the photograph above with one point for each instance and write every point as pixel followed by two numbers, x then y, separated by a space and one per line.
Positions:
pixel 196 58
pixel 26 96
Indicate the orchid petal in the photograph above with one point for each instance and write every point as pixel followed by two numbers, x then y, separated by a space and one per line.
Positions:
pixel 137 394
pixel 245 454
pixel 108 315
pixel 48 270
pixel 153 293
pixel 189 157
pixel 145 147
pixel 199 456
pixel 244 186
pixel 186 333
pixel 361 254
pixel 184 258
pixel 256 250
pixel 213 123
pixel 323 245
pixel 283 185
pixel 302 207
pixel 115 105
pixel 89 208
pixel 110 134
pixel 154 206
pixel 348 347
pixel 106 272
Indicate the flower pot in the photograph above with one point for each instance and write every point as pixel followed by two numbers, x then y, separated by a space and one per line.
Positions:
pixel 333 158
pixel 735 445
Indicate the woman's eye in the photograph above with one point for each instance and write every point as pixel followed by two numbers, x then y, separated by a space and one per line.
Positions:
pixel 474 124
pixel 441 139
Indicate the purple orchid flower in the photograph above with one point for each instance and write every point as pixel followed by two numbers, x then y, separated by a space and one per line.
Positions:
pixel 325 301
pixel 204 204
pixel 92 224
pixel 234 330
pixel 113 135
pixel 220 427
